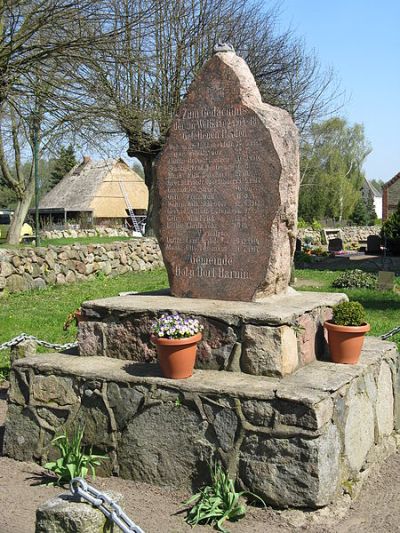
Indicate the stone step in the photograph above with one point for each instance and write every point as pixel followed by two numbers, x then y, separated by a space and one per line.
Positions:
pixel 294 441
pixel 273 336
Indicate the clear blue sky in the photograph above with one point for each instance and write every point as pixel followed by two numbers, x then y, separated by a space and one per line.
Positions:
pixel 360 39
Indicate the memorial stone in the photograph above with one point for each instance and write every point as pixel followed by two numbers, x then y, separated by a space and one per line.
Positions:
pixel 226 188
pixel 335 245
pixel 386 280
pixel 374 244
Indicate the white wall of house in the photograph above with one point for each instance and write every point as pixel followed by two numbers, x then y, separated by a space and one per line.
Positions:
pixel 378 206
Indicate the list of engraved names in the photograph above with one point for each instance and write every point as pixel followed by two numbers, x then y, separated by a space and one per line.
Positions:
pixel 213 190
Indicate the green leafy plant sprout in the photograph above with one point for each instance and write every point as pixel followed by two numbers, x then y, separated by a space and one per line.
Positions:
pixel 178 402
pixel 73 461
pixel 4 374
pixel 217 502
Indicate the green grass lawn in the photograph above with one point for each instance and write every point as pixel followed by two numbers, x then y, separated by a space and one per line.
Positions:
pixel 83 240
pixel 69 240
pixel 42 313
pixel 383 308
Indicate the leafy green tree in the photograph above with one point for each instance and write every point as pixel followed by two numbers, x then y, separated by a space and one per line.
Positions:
pixel 360 214
pixel 331 169
pixel 65 161
pixel 7 197
pixel 391 227
pixel 364 213
pixel 370 207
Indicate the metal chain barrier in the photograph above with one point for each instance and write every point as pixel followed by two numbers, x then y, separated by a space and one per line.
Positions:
pixel 26 337
pixel 390 333
pixel 110 509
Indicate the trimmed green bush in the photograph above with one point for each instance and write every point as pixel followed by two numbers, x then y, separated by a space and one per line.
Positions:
pixel 391 228
pixel 355 279
pixel 349 314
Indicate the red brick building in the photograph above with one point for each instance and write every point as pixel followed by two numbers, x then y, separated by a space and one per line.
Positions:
pixel 391 196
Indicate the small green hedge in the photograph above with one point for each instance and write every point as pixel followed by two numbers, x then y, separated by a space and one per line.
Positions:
pixel 349 314
pixel 355 279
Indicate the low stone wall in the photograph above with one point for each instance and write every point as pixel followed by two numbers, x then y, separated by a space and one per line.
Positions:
pixel 350 233
pixel 34 268
pixel 270 337
pixel 99 231
pixel 297 441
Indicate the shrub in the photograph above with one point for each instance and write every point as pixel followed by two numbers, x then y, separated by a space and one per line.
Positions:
pixel 391 228
pixel 316 225
pixel 301 258
pixel 355 279
pixel 302 224
pixel 349 314
pixel 73 461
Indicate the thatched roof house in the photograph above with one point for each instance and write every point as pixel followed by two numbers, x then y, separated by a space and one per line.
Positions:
pixel 100 190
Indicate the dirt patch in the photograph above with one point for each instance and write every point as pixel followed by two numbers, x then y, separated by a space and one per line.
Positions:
pixel 156 509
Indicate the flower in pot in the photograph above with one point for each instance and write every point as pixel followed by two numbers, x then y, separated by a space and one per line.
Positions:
pixel 346 332
pixel 176 338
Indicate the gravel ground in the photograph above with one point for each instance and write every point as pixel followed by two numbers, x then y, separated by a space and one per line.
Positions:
pixel 155 509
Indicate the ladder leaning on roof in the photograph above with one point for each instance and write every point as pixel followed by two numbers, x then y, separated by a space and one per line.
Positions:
pixel 129 206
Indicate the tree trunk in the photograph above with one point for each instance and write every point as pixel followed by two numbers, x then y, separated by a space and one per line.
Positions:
pixel 147 161
pixel 20 213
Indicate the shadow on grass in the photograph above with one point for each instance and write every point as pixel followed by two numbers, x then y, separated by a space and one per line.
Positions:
pixel 385 302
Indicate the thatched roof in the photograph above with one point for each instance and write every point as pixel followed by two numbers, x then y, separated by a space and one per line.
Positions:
pixel 90 181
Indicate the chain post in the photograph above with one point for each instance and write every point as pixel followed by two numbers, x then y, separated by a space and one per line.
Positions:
pixel 114 513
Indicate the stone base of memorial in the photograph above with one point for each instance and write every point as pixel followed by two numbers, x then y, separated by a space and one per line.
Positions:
pixel 273 336
pixel 295 441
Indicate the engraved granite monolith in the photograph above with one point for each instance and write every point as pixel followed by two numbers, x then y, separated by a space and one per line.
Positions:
pixel 227 187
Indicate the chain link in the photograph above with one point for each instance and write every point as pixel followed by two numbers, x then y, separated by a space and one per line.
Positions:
pixel 111 510
pixel 26 337
pixel 390 333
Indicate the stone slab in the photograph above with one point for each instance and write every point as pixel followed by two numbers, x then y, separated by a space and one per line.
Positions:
pixel 386 280
pixel 227 188
pixel 272 337
pixel 272 310
pixel 292 441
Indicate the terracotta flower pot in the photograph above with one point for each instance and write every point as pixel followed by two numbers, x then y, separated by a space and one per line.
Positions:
pixel 345 342
pixel 177 356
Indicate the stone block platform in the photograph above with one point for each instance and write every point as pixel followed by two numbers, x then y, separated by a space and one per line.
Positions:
pixel 273 336
pixel 294 441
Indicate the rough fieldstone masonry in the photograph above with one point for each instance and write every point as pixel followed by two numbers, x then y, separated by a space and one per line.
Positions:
pixel 35 268
pixel 287 424
pixel 227 187
pixel 271 337
pixel 294 441
pixel 97 231
pixel 349 234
